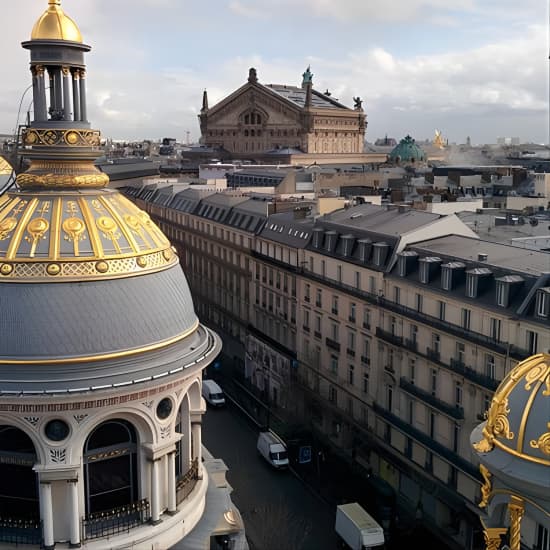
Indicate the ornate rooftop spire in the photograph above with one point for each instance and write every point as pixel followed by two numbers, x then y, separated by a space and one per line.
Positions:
pixel 59 141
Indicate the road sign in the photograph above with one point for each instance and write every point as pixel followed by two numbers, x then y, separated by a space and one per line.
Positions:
pixel 304 454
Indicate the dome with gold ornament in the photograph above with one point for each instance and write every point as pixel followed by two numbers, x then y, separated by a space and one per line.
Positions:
pixel 77 235
pixel 54 24
pixel 516 434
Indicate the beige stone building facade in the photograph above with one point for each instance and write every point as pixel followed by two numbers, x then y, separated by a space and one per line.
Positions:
pixel 385 329
pixel 260 118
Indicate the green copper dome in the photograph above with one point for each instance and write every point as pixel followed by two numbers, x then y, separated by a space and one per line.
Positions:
pixel 407 151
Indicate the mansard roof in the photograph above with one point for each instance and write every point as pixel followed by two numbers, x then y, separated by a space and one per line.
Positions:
pixel 509 277
pixel 390 221
pixel 286 229
pixel 298 96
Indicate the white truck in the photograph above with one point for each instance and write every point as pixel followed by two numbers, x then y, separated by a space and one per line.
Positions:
pixel 272 448
pixel 212 393
pixel 357 528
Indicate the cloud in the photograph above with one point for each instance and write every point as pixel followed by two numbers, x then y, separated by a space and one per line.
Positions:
pixel 151 61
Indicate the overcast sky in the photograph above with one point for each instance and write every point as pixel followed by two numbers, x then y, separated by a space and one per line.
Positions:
pixel 475 68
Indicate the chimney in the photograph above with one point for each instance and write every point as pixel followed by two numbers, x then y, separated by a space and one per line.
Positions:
pixel 482 257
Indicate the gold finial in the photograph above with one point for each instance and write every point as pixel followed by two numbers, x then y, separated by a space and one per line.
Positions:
pixel 54 2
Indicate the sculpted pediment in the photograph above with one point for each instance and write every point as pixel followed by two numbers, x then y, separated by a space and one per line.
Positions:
pixel 273 109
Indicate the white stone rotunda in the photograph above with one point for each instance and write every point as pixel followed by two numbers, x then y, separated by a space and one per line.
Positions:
pixel 101 352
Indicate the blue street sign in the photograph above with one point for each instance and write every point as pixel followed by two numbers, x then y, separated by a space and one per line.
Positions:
pixel 304 454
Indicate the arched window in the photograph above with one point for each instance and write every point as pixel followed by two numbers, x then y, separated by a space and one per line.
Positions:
pixel 18 486
pixel 110 466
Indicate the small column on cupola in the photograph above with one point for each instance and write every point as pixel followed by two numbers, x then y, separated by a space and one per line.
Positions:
pixel 58 140
pixel 57 49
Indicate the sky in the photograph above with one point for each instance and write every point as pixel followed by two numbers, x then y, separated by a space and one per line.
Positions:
pixel 477 68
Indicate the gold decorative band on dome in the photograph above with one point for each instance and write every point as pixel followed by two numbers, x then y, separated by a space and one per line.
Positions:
pixel 78 235
pixel 61 137
pixel 103 356
pixel 62 173
pixel 25 272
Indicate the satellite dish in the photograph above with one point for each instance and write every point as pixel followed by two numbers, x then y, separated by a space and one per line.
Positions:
pixel 534 222
pixel 521 221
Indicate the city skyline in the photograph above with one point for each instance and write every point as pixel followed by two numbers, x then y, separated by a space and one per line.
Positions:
pixel 477 69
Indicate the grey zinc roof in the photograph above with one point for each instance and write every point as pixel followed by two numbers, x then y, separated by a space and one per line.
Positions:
pixel 249 215
pixel 298 96
pixel 284 228
pixel 188 199
pixel 380 219
pixel 507 257
pixel 64 320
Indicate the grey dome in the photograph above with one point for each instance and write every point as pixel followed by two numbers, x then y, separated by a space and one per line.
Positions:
pixel 52 321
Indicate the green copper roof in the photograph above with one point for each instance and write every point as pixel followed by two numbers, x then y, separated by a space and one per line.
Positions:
pixel 407 151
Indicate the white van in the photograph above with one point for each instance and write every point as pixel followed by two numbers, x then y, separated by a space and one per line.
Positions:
pixel 272 449
pixel 212 393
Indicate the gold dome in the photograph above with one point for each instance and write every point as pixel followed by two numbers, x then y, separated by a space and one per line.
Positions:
pixel 53 24
pixel 77 235
pixel 5 167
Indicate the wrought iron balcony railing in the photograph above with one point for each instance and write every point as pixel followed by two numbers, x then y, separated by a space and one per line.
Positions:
pixel 20 531
pixel 187 482
pixel 116 520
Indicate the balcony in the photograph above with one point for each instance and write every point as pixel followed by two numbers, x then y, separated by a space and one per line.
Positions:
pixel 389 337
pixel 332 344
pixel 115 521
pixel 433 355
pixel 317 334
pixel 365 360
pixel 445 326
pixel 474 376
pixel 350 352
pixel 453 411
pixel 187 482
pixel 20 531
pixel 425 440
pixel 411 345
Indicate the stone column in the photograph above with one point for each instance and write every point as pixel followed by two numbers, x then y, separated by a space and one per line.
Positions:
pixel 67 110
pixel 58 93
pixel 76 94
pixel 83 110
pixel 46 507
pixel 52 90
pixel 171 465
pixel 40 104
pixel 35 94
pixel 75 516
pixel 197 448
pixel 155 492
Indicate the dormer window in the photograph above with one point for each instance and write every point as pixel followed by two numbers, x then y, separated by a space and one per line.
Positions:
pixel 477 280
pixel 427 268
pixel 380 253
pixel 543 302
pixel 424 273
pixel 452 274
pixel 446 278
pixel 402 265
pixel 471 285
pixel 406 262
pixel 502 294
pixel 506 289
